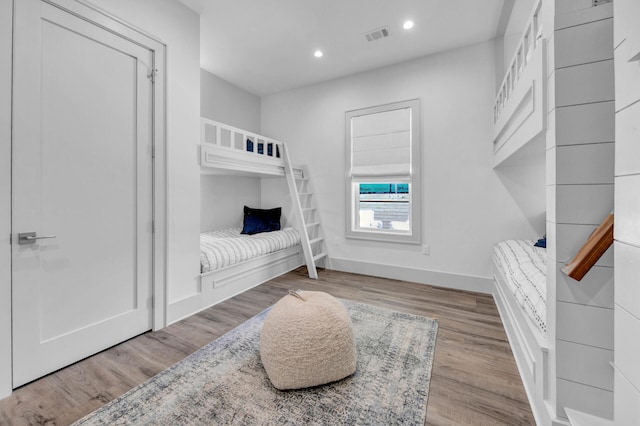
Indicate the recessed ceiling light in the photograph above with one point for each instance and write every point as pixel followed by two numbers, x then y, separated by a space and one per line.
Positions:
pixel 318 54
pixel 407 25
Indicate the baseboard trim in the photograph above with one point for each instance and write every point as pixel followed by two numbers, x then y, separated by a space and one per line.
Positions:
pixel 421 276
pixel 184 307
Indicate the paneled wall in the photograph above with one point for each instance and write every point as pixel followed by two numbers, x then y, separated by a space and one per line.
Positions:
pixel 627 212
pixel 580 190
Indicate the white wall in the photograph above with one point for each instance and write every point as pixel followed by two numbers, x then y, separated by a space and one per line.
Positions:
pixel 6 15
pixel 627 213
pixel 466 207
pixel 178 27
pixel 222 197
pixel 525 185
pixel 228 104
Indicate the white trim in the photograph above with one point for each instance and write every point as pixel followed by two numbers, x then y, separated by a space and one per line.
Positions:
pixel 184 307
pixel 160 190
pixel 126 24
pixel 6 29
pixel 420 276
pixel 86 10
pixel 414 236
pixel 222 284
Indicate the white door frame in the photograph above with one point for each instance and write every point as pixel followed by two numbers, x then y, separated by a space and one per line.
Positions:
pixel 6 31
pixel 110 23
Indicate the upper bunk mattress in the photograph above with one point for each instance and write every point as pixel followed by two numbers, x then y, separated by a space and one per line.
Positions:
pixel 226 247
pixel 524 268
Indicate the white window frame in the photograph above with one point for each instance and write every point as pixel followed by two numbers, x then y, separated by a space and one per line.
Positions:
pixel 414 236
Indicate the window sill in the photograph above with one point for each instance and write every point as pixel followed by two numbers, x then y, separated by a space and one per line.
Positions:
pixel 384 237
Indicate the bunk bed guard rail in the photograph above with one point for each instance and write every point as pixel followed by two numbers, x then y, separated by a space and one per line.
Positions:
pixel 230 148
pixel 519 110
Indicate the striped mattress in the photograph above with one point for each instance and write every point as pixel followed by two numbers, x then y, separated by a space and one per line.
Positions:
pixel 226 247
pixel 524 268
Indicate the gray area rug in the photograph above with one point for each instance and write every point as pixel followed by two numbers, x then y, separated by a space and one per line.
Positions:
pixel 225 383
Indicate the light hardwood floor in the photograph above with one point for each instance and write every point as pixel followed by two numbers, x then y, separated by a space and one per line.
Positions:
pixel 474 381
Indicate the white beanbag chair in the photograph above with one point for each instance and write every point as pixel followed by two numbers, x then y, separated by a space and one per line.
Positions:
pixel 307 340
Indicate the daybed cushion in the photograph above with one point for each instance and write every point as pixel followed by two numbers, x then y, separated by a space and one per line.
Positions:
pixel 260 220
pixel 524 268
pixel 227 246
pixel 307 340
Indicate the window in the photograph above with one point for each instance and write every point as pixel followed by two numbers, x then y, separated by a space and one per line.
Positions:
pixel 383 172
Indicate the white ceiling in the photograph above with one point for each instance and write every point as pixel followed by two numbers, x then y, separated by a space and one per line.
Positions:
pixel 266 46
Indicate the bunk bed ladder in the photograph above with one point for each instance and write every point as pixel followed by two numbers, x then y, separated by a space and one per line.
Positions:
pixel 309 232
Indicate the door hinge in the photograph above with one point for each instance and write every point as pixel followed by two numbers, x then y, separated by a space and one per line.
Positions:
pixel 153 150
pixel 152 75
pixel 10 239
pixel 153 226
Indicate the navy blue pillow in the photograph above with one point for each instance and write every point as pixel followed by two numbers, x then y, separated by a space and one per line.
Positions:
pixel 259 220
pixel 542 242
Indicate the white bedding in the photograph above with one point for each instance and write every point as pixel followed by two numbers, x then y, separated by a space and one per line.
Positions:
pixel 525 270
pixel 228 246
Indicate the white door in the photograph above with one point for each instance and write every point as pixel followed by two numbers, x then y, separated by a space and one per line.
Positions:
pixel 82 186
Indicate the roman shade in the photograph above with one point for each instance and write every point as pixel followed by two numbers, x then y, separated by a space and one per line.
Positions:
pixel 381 144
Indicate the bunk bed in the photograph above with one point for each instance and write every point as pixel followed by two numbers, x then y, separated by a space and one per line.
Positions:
pixel 521 294
pixel 232 262
pixel 228 150
pixel 519 110
pixel 520 284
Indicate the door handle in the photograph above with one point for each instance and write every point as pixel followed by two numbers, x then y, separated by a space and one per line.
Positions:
pixel 31 237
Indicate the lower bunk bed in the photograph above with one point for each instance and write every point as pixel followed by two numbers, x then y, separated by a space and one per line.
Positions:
pixel 231 262
pixel 520 295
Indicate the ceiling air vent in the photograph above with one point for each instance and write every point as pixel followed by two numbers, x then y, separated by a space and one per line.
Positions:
pixel 377 34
